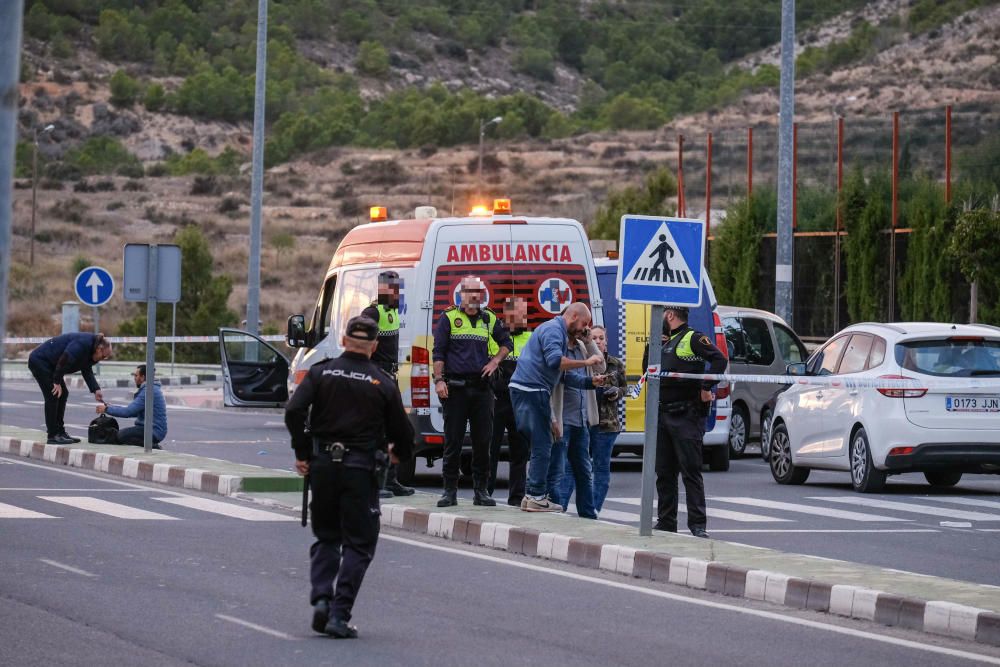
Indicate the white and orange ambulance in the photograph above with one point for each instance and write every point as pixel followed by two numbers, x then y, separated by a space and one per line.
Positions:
pixel 545 260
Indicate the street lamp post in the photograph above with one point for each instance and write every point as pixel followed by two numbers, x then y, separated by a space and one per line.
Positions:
pixel 483 124
pixel 34 188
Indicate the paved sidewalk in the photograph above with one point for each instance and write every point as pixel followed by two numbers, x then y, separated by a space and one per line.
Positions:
pixel 935 605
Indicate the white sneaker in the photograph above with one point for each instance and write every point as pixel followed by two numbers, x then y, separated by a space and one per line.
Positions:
pixel 543 504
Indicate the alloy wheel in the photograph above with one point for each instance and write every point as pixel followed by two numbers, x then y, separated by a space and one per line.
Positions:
pixel 859 459
pixel 781 454
pixel 737 432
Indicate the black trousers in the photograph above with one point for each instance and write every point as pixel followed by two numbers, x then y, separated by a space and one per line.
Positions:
pixel 678 450
pixel 345 521
pixel 472 406
pixel 517 447
pixel 55 408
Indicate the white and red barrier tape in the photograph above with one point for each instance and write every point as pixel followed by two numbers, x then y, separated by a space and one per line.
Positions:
pixel 35 340
pixel 837 381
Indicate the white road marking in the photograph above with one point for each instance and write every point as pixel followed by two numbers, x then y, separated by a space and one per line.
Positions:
pixel 715 513
pixel 68 568
pixel 259 628
pixel 24 488
pixel 913 507
pixel 806 509
pixel 711 604
pixel 90 477
pixel 111 509
pixel 713 531
pixel 972 502
pixel 226 509
pixel 615 515
pixel 12 512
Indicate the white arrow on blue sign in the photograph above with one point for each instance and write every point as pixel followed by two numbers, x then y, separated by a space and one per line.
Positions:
pixel 662 260
pixel 94 286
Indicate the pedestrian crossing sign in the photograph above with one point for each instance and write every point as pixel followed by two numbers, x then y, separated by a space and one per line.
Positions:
pixel 662 260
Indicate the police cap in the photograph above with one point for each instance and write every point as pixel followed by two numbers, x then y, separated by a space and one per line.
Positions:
pixel 361 328
pixel 388 278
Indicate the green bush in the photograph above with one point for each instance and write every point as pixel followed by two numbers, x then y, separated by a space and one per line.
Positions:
pixel 536 62
pixel 124 89
pixel 118 38
pixel 198 161
pixel 866 214
pixel 101 155
pixel 373 59
pixel 629 113
pixel 735 258
pixel 155 97
pixel 654 197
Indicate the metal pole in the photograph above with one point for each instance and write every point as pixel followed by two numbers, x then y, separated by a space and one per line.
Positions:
pixel 652 424
pixel 681 204
pixel 34 195
pixel 786 246
pixel 479 171
pixel 895 213
pixel 173 335
pixel 840 225
pixel 147 431
pixel 708 195
pixel 257 178
pixel 10 70
pixel 749 162
pixel 795 176
pixel 97 329
pixel 947 154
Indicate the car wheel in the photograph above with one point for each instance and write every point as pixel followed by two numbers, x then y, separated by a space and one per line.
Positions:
pixel 739 431
pixel 943 478
pixel 718 458
pixel 864 476
pixel 782 468
pixel 406 470
pixel 765 434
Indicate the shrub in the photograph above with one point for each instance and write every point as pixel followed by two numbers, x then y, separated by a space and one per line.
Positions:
pixel 229 205
pixel 373 59
pixel 384 172
pixel 124 89
pixel 535 62
pixel 70 210
pixel 115 205
pixel 205 185
pixel 101 155
pixel 105 186
pixel 133 186
pixel 79 264
pixel 155 97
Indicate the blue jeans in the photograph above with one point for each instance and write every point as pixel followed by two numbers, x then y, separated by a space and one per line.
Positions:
pixel 533 416
pixel 576 440
pixel 601 444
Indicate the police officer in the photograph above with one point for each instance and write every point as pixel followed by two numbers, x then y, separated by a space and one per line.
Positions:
pixel 462 370
pixel 515 316
pixel 352 409
pixel 385 311
pixel 682 412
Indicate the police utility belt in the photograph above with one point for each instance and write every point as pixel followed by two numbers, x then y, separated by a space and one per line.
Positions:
pixel 466 381
pixel 337 450
pixel 390 368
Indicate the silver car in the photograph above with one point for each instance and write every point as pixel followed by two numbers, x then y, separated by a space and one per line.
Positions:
pixel 761 343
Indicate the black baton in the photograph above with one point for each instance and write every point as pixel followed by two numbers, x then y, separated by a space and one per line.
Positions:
pixel 305 499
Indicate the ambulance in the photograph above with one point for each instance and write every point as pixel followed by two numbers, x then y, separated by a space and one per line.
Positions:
pixel 628 328
pixel 545 260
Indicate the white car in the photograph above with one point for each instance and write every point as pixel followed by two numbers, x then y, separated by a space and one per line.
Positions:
pixel 947 424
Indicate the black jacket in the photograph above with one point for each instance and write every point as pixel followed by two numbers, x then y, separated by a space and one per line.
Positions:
pixel 68 353
pixel 708 355
pixel 350 400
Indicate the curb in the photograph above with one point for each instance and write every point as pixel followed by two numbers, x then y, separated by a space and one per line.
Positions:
pixel 118 383
pixel 935 617
pixel 169 474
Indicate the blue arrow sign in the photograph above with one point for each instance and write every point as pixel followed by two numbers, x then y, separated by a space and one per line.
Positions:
pixel 662 260
pixel 94 286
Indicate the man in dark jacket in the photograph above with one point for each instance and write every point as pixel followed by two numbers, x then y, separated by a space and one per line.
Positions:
pixel 353 409
pixel 57 357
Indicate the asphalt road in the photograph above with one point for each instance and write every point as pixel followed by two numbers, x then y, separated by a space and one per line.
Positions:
pixel 96 581
pixel 911 526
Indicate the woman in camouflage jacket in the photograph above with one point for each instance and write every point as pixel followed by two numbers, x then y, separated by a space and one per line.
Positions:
pixel 603 435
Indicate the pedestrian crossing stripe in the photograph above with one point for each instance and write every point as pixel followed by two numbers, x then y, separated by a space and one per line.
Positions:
pixel 661 262
pixel 122 511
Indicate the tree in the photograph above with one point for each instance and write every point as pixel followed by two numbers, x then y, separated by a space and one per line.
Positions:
pixel 653 198
pixel 124 89
pixel 736 252
pixel 974 246
pixel 373 59
pixel 536 62
pixel 281 242
pixel 866 215
pixel 155 97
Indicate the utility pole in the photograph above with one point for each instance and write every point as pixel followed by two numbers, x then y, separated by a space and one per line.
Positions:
pixel 34 190
pixel 483 124
pixel 11 14
pixel 257 178
pixel 785 259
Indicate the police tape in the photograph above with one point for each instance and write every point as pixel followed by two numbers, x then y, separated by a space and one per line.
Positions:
pixel 833 381
pixel 34 340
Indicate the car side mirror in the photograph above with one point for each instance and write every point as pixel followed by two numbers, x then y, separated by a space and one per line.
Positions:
pixel 796 369
pixel 296 334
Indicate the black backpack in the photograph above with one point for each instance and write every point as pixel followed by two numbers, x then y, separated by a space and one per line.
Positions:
pixel 103 431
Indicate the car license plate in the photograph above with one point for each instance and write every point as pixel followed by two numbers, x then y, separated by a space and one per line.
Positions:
pixel 972 403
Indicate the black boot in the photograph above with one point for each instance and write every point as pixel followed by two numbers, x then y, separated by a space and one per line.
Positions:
pixel 340 629
pixel 480 497
pixel 393 485
pixel 449 498
pixel 321 615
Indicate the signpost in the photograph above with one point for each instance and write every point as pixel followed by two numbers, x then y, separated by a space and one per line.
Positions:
pixel 94 287
pixel 152 273
pixel 662 264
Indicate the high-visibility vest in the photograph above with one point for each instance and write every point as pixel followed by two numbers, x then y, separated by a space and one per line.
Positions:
pixel 520 340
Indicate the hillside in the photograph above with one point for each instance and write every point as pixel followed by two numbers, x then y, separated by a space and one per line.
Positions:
pixel 552 154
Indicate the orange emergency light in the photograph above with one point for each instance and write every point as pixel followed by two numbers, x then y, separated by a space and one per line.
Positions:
pixel 479 210
pixel 501 207
pixel 378 214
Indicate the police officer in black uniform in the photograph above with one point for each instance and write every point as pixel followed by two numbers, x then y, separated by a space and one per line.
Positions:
pixel 462 370
pixel 385 311
pixel 683 408
pixel 352 409
pixel 515 316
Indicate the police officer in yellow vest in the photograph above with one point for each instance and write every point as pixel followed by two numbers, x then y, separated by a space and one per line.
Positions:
pixel 683 408
pixel 385 311
pixel 462 380
pixel 515 316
